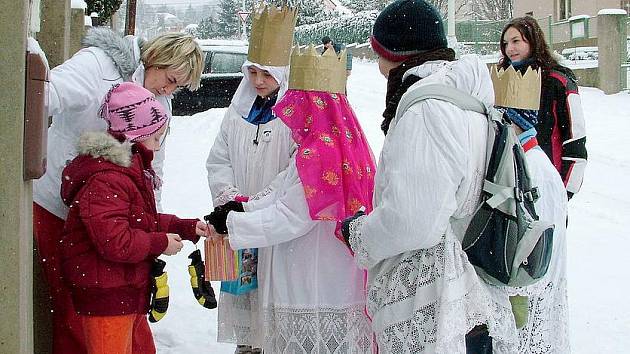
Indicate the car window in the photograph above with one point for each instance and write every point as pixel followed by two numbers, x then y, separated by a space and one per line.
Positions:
pixel 227 62
pixel 207 67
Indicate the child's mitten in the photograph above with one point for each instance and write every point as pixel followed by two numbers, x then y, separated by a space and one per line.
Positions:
pixel 201 287
pixel 159 291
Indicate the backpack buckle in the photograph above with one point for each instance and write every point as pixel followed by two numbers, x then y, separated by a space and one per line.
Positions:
pixel 518 194
pixel 532 194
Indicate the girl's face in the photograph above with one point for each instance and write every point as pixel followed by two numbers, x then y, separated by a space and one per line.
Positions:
pixel 154 141
pixel 161 81
pixel 517 48
pixel 263 81
pixel 384 66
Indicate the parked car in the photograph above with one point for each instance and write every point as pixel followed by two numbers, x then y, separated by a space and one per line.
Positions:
pixel 220 79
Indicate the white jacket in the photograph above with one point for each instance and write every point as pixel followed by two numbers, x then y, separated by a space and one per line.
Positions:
pixel 424 295
pixel 547 328
pixel 311 292
pixel 76 90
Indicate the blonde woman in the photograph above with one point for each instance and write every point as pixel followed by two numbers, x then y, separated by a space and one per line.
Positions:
pixel 77 88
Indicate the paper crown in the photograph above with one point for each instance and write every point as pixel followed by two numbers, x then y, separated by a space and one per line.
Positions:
pixel 515 90
pixel 311 71
pixel 272 35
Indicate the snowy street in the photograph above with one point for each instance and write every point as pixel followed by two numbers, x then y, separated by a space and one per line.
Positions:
pixel 597 235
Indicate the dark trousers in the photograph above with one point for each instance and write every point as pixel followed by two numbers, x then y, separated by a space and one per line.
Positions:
pixel 478 341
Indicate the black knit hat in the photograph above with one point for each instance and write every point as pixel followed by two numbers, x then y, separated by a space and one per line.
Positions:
pixel 406 28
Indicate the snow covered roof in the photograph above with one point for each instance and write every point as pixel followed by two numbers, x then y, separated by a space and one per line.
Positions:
pixel 78 4
pixel 612 12
pixel 578 17
pixel 221 42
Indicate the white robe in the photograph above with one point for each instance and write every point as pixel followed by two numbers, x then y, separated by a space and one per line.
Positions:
pixel 547 328
pixel 311 292
pixel 236 165
pixel 424 295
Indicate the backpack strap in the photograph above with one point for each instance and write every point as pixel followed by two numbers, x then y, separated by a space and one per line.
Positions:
pixel 440 92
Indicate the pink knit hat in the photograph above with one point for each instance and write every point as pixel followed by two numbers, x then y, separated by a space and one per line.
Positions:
pixel 133 112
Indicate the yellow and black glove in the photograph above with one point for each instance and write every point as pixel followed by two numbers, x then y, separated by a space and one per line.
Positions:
pixel 159 291
pixel 201 287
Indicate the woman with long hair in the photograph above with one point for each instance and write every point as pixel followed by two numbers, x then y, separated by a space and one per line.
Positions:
pixel 561 131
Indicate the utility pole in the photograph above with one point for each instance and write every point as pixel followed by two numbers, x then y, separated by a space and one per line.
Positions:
pixel 130 19
pixel 451 37
pixel 243 24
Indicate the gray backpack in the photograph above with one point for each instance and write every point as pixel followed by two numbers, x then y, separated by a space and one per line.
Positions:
pixel 505 240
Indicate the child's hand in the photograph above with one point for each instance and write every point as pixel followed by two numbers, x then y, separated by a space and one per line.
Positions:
pixel 202 229
pixel 174 244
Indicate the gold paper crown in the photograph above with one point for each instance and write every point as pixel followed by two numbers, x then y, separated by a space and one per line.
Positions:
pixel 272 35
pixel 311 71
pixel 512 89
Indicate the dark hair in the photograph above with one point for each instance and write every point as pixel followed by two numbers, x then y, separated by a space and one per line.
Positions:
pixel 326 40
pixel 531 32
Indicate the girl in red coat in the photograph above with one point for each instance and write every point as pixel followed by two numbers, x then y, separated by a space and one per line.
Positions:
pixel 113 232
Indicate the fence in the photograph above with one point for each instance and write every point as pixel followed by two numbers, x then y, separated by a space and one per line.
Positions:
pixel 625 59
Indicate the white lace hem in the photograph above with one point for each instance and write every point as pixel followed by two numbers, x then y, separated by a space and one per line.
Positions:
pixel 237 319
pixel 318 330
pixel 427 300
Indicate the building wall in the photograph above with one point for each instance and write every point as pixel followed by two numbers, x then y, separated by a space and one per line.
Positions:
pixel 16 253
pixel 544 8
pixel 540 8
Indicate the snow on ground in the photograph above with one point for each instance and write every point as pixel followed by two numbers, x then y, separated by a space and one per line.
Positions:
pixel 598 217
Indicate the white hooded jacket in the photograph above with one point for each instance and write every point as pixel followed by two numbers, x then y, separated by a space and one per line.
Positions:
pixel 424 295
pixel 76 90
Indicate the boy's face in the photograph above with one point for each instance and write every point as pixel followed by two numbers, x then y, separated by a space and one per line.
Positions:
pixel 154 141
pixel 263 81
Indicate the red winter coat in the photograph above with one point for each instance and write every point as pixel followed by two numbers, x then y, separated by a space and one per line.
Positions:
pixel 113 231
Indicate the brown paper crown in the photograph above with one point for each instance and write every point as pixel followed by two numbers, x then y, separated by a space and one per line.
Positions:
pixel 272 35
pixel 512 89
pixel 311 71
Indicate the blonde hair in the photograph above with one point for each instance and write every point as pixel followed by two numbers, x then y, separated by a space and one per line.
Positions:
pixel 178 52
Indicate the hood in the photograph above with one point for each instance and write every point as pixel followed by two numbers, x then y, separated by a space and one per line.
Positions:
pixel 97 152
pixel 468 74
pixel 245 94
pixel 122 51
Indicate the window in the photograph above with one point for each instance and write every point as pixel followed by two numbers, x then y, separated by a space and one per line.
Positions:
pixel 564 9
pixel 227 62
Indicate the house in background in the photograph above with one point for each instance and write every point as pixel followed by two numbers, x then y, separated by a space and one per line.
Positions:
pixel 561 10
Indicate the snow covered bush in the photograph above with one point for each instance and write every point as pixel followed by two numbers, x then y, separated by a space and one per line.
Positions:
pixel 354 28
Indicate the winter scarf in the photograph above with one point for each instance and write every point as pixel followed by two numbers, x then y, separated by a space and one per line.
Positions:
pixel 396 87
pixel 261 110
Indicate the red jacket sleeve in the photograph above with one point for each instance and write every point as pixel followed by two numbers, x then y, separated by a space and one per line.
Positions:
pixel 183 227
pixel 104 209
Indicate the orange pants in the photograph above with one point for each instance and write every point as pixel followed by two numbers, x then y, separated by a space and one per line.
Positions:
pixel 67 329
pixel 124 334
